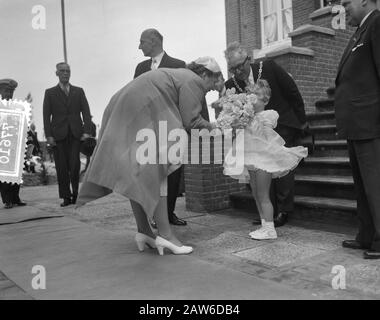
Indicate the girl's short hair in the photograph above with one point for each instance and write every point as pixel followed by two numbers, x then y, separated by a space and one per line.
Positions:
pixel 263 86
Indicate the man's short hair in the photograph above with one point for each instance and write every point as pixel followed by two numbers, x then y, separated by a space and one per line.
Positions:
pixel 235 49
pixel 154 34
pixel 61 63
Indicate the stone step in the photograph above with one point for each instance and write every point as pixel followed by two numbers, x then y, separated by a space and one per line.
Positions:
pixel 334 148
pixel 321 209
pixel 326 203
pixel 331 166
pixel 325 186
pixel 321 118
pixel 324 132
pixel 325 105
pixel 326 210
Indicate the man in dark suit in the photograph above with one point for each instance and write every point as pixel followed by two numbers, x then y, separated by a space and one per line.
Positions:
pixel 286 100
pixel 67 122
pixel 357 111
pixel 9 192
pixel 151 44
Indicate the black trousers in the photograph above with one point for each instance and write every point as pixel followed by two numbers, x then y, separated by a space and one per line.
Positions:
pixel 67 164
pixel 365 164
pixel 174 181
pixel 282 189
pixel 10 192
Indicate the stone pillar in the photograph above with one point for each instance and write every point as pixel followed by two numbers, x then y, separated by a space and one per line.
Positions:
pixel 207 188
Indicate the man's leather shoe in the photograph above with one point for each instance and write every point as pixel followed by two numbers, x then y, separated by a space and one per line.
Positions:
pixel 353 244
pixel 8 205
pixel 372 255
pixel 74 199
pixel 281 219
pixel 66 202
pixel 177 221
pixel 20 204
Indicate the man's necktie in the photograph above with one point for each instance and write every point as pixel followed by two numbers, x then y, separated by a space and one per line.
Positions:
pixel 154 64
pixel 66 91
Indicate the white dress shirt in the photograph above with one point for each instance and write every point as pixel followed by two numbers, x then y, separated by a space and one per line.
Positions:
pixel 156 61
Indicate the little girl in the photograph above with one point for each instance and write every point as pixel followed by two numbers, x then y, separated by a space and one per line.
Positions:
pixel 265 158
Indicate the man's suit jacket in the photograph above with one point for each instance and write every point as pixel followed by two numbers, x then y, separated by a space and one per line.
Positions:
pixel 62 113
pixel 357 96
pixel 166 62
pixel 285 99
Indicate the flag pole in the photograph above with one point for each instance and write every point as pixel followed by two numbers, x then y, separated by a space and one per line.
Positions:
pixel 64 30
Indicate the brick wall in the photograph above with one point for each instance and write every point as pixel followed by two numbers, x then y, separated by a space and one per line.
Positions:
pixel 207 188
pixel 302 10
pixel 249 17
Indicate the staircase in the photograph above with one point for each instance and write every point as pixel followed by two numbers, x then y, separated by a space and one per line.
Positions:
pixel 324 187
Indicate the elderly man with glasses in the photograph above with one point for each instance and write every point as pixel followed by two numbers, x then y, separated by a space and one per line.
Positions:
pixel 286 100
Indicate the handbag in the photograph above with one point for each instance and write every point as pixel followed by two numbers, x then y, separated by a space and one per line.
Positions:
pixel 88 146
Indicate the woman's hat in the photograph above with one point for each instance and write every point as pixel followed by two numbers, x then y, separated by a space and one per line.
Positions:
pixel 209 63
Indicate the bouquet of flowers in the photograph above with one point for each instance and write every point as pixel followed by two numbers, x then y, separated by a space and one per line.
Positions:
pixel 238 110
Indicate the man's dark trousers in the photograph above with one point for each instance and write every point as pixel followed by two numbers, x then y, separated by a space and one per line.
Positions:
pixel 174 181
pixel 10 192
pixel 67 162
pixel 282 189
pixel 365 164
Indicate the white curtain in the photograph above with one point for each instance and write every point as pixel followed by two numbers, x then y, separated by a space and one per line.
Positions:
pixel 270 20
pixel 285 4
pixel 270 28
pixel 287 22
pixel 270 6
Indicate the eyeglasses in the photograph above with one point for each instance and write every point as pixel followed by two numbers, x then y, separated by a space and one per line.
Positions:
pixel 239 66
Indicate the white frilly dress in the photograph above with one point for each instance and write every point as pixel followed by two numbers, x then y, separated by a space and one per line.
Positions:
pixel 263 149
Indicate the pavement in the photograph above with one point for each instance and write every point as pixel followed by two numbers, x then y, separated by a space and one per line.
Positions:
pixel 89 253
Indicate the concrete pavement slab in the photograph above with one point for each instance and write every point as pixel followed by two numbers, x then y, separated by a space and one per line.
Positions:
pixel 84 262
pixel 279 253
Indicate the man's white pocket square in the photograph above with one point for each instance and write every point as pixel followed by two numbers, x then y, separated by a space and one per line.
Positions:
pixel 358 46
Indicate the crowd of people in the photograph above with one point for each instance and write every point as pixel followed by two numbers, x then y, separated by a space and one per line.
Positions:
pixel 166 89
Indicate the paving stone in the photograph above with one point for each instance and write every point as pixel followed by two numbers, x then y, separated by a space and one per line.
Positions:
pixel 311 238
pixel 279 253
pixel 228 242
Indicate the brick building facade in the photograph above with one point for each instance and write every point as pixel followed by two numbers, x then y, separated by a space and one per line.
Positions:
pixel 313 48
pixel 305 42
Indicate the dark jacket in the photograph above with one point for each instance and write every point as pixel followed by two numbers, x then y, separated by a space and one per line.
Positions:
pixel 285 99
pixel 62 113
pixel 357 96
pixel 166 62
pixel 32 139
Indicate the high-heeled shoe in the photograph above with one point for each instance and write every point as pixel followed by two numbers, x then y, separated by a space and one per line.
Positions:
pixel 142 240
pixel 162 243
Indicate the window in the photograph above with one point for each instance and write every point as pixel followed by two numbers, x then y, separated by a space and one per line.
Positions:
pixel 276 21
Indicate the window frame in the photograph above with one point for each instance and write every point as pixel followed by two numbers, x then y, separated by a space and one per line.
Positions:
pixel 279 42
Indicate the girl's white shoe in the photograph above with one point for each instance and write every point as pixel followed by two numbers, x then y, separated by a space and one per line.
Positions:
pixel 264 233
pixel 161 244
pixel 142 240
